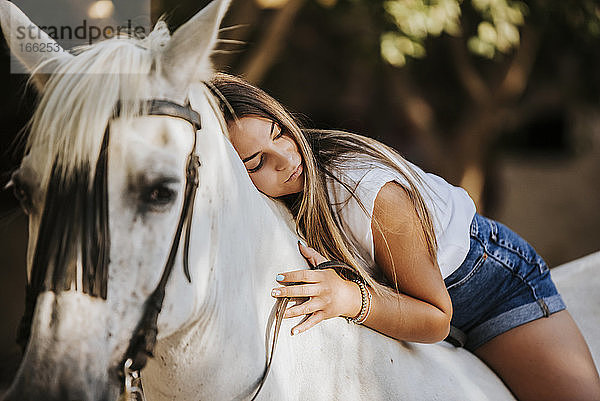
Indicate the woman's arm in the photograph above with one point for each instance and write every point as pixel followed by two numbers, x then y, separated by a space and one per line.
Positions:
pixel 420 312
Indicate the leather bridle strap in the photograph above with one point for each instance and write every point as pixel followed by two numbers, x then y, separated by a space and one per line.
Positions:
pixel 143 340
pixel 276 317
pixel 162 107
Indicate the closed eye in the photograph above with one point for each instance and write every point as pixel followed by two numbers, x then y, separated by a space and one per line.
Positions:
pixel 261 161
pixel 258 166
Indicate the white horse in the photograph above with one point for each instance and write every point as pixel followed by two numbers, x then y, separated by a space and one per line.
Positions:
pixel 579 283
pixel 211 331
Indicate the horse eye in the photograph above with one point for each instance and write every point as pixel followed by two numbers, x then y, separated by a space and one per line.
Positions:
pixel 23 197
pixel 159 196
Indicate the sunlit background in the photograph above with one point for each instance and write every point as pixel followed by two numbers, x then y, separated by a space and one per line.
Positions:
pixel 101 9
pixel 500 97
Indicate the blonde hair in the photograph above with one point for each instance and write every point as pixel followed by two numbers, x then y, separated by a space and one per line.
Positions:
pixel 321 150
pixel 82 94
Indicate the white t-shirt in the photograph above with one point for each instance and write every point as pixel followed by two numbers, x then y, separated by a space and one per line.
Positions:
pixel 451 208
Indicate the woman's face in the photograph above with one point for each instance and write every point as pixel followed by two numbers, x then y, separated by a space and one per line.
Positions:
pixel 270 155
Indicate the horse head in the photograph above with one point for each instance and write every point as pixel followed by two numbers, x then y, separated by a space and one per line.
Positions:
pixel 125 132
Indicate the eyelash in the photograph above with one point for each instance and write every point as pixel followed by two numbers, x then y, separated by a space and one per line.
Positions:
pixel 260 163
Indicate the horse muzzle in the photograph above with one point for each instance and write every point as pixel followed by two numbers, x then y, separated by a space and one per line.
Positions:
pixel 68 357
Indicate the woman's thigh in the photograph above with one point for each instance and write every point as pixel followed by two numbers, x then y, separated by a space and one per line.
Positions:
pixel 546 359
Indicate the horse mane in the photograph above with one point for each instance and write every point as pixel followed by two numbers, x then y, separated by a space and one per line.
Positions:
pixel 82 95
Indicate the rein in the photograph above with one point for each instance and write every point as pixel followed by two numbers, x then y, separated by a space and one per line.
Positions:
pixel 276 316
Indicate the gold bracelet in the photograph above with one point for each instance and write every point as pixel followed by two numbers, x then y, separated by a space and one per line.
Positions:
pixel 365 307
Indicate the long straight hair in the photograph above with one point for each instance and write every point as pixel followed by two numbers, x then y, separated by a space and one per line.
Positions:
pixel 321 151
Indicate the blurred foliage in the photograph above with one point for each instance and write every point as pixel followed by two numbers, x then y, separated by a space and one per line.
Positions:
pixel 416 20
pixel 493 31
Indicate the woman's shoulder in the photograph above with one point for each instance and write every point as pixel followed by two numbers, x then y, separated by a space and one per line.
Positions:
pixel 355 182
pixel 363 172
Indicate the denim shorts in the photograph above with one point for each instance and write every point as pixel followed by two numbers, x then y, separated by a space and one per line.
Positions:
pixel 502 283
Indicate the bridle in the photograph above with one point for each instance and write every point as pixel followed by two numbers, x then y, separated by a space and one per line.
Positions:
pixel 143 339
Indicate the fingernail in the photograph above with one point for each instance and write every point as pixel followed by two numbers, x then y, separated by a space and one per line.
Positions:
pixel 295 331
pixel 275 293
pixel 279 277
pixel 300 242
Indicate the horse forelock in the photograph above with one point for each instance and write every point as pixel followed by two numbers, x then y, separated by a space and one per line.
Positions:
pixel 82 94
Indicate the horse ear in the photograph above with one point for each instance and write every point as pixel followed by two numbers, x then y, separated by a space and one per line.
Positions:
pixel 186 57
pixel 23 37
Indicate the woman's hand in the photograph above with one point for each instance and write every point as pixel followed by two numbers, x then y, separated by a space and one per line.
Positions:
pixel 328 294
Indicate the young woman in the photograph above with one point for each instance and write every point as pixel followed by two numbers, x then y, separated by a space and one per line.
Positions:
pixel 428 261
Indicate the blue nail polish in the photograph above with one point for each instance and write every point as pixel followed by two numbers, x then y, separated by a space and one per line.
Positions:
pixel 279 277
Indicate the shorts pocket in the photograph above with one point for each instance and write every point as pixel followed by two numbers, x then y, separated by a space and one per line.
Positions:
pixel 471 273
pixel 511 249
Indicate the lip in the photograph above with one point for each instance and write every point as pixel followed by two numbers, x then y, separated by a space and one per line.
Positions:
pixel 295 174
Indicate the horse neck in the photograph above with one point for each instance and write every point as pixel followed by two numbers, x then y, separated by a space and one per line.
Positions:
pixel 255 235
pixel 257 240
pixel 251 239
